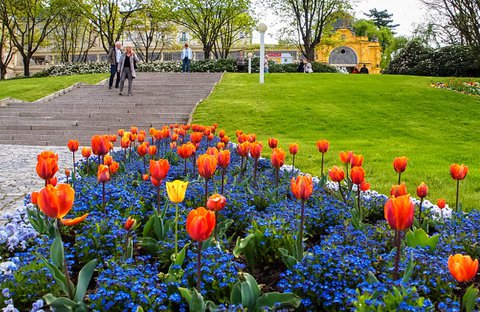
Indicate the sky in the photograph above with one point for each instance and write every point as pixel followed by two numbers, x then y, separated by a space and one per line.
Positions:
pixel 407 13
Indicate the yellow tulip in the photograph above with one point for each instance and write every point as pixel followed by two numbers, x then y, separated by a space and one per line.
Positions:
pixel 176 190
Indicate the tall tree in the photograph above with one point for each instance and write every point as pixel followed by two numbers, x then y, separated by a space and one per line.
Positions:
pixel 462 15
pixel 74 36
pixel 110 17
pixel 6 50
pixel 29 22
pixel 150 30
pixel 311 18
pixel 233 31
pixel 381 18
pixel 206 18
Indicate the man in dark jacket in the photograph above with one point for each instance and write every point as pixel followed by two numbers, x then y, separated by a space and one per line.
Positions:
pixel 114 56
pixel 364 69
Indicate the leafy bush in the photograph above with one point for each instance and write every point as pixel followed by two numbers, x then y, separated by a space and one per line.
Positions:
pixel 417 59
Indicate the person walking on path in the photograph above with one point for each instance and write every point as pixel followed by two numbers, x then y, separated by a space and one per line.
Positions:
pixel 127 66
pixel 187 56
pixel 114 56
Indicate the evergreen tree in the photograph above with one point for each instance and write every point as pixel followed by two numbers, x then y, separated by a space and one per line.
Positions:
pixel 381 18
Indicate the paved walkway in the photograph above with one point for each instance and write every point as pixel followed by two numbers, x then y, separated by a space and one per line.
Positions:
pixel 26 129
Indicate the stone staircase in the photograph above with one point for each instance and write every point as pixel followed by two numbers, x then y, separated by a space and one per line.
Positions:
pixel 158 99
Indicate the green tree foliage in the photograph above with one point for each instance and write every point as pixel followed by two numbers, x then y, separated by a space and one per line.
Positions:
pixel 28 23
pixel 234 30
pixel 206 19
pixel 381 19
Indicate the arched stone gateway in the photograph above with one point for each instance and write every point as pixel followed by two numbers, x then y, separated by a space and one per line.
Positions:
pixel 343 56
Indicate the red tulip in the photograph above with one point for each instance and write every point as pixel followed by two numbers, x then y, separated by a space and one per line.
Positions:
pixel 86 152
pixel 256 150
pixel 142 149
pixel 47 165
pixel 159 169
pixel 141 137
pixel 75 221
pixel 345 157
pixel 34 197
pixel 400 164
pixel 103 174
pixel 53 181
pixel 73 145
pixel 356 160
pixel 336 174
pixel 216 202
pixel 212 151
pixel 196 137
pixel 365 186
pixel 322 146
pixel 278 157
pixel 272 143
pixel 130 223
pixel 207 164
pixel 186 150
pixel 293 148
pixel 221 133
pixel 302 187
pixel 114 167
pixel 223 158
pixel 422 190
pixel 200 224
pixel 458 172
pixel 252 137
pixel 243 149
pixel 357 174
pixel 462 268
pixel 399 212
pixel 100 145
pixel 441 203
pixel 398 190
pixel 56 202
pixel 225 140
pixel 242 138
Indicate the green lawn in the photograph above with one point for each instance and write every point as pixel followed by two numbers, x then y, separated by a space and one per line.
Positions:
pixel 378 116
pixel 31 89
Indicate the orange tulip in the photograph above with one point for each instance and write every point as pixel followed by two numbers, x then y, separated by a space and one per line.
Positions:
pixel 212 151
pixel 56 201
pixel 238 133
pixel 67 172
pixel 322 146
pixel 120 132
pixel 75 221
pixel 53 181
pixel 256 150
pixel 252 137
pixel 220 145
pixel 398 190
pixel 216 202
pixel 223 158
pixel 242 138
pixel 159 169
pixel 174 137
pixel 145 177
pixel 365 186
pixel 302 187
pixel 152 150
pixel 114 167
pixel 458 172
pixel 243 149
pixel 345 157
pixel 73 145
pixel 272 143
pixel 207 164
pixel 112 138
pixel 441 203
pixel 200 224
pixel 422 190
pixel 34 197
pixel 336 174
pixel 221 133
pixel 103 174
pixel 107 160
pixel 100 145
pixel 130 223
pixel 125 143
pixel 293 148
pixel 278 157
pixel 47 165
pixel 225 140
pixel 142 150
pixel 400 164
pixel 399 212
pixel 173 145
pixel 196 137
pixel 357 174
pixel 462 268
pixel 86 152
pixel 186 150
pixel 141 137
pixel 356 160
pixel 133 129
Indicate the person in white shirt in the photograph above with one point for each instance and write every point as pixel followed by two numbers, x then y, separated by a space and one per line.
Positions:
pixel 114 56
pixel 187 56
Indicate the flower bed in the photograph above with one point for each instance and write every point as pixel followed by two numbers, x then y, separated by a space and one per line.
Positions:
pixel 312 244
pixel 465 87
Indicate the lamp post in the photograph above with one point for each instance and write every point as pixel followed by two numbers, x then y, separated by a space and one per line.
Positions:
pixel 250 55
pixel 262 28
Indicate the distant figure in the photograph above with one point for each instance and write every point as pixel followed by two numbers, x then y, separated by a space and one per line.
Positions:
pixel 265 64
pixel 241 62
pixel 300 67
pixel 364 69
pixel 355 70
pixel 127 68
pixel 114 56
pixel 187 56
pixel 307 68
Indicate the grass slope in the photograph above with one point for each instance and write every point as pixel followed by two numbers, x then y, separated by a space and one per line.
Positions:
pixel 31 89
pixel 378 116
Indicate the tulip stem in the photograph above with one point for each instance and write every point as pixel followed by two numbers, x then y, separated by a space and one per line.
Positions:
pixel 103 197
pixel 206 191
pixel 158 197
pixel 241 168
pixel 194 163
pixel 176 230
pixel 276 183
pixel 185 166
pixel 223 178
pixel 358 202
pixel 341 192
pixel 456 200
pixel 144 165
pixel 300 234
pixel 255 172
pixel 73 176
pixel 398 237
pixel 199 265
pixel 293 164
pixel 215 228
pixel 323 157
pixel 420 211
pixel 399 177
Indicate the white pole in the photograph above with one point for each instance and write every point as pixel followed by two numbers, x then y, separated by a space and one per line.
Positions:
pixel 250 62
pixel 262 57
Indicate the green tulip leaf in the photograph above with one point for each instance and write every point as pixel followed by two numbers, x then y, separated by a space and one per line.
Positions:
pixel 275 298
pixel 84 278
pixel 420 238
